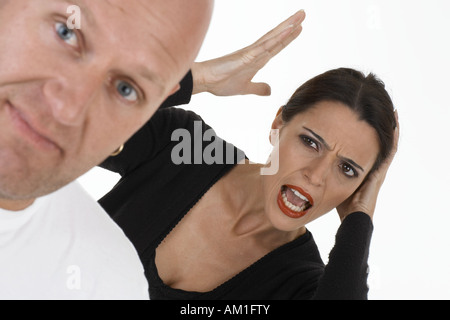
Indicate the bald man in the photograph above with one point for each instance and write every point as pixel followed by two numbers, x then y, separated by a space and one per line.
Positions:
pixel 68 99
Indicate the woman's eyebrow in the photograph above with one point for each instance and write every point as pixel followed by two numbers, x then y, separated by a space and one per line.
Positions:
pixel 353 163
pixel 321 140
pixel 327 146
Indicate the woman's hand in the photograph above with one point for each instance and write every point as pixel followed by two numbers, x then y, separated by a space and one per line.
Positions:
pixel 233 74
pixel 365 198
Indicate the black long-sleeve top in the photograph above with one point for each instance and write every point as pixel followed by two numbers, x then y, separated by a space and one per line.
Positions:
pixel 142 205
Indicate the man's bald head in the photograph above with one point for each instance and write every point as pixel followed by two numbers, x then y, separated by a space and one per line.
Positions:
pixel 68 98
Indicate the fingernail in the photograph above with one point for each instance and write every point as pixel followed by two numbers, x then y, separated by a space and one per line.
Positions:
pixel 299 18
pixel 304 13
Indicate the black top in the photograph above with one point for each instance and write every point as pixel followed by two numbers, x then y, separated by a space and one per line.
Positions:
pixel 142 204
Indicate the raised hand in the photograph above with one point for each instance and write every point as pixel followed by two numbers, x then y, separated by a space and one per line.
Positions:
pixel 233 74
pixel 365 198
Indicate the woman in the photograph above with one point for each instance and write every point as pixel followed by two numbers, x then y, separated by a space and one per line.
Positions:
pixel 224 231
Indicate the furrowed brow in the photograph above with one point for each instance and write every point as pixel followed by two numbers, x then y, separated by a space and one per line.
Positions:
pixel 327 146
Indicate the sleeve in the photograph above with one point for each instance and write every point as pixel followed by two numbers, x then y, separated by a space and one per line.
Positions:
pixel 345 276
pixel 182 96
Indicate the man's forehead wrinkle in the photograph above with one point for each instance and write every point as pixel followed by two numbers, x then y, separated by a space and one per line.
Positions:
pixel 143 8
pixel 152 18
pixel 117 6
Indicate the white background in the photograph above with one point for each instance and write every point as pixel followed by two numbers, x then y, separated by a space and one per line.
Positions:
pixel 406 43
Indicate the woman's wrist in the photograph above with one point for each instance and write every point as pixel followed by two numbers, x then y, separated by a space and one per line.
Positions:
pixel 199 78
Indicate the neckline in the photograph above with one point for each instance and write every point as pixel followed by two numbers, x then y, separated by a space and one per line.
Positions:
pixel 235 279
pixel 13 220
pixel 222 287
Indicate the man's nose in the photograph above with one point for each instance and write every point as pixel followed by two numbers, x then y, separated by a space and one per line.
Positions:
pixel 68 99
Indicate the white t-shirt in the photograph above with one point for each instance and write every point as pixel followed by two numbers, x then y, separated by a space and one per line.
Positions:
pixel 66 247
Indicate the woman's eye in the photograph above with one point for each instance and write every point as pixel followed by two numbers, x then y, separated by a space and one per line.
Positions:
pixel 67 35
pixel 309 142
pixel 126 91
pixel 348 170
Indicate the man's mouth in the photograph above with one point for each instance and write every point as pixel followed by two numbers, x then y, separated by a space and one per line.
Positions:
pixel 294 202
pixel 28 131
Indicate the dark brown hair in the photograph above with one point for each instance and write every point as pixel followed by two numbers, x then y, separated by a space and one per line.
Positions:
pixel 365 95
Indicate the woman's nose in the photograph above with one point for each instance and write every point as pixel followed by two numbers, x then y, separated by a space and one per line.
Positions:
pixel 317 171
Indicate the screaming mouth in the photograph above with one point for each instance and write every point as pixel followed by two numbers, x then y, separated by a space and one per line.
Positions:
pixel 293 203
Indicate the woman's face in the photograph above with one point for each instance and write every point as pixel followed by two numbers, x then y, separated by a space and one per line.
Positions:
pixel 325 154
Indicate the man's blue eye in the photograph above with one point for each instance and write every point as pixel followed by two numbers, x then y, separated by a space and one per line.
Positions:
pixel 66 34
pixel 126 91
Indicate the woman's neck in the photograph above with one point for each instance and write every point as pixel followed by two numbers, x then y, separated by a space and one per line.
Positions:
pixel 244 189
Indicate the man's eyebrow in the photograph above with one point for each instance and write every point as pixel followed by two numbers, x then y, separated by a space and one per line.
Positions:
pixel 327 146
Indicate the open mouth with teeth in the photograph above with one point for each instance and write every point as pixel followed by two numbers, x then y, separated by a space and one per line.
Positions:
pixel 294 202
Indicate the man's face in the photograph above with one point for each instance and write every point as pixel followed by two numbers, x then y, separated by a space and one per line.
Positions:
pixel 69 98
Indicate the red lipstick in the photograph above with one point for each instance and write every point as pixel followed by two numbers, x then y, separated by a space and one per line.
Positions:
pixel 290 209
